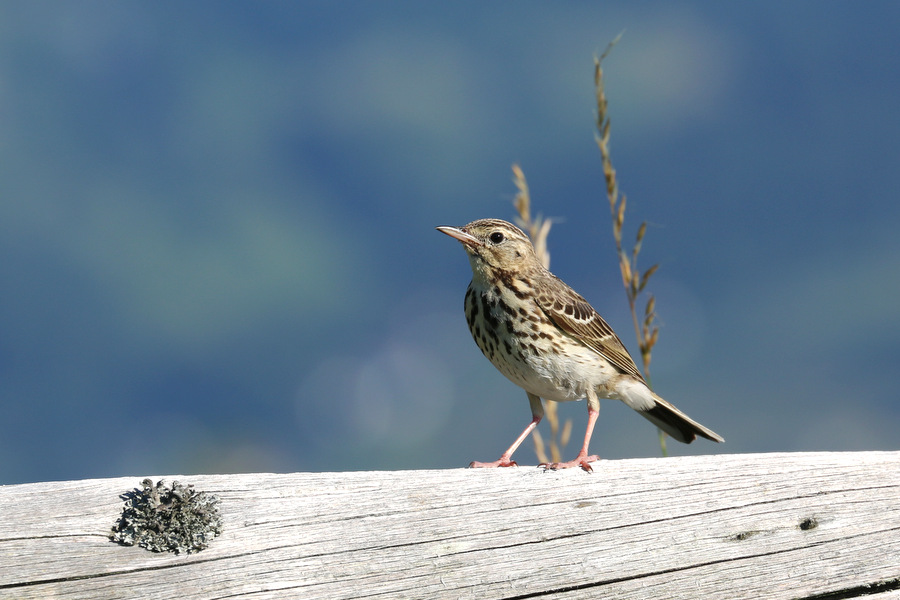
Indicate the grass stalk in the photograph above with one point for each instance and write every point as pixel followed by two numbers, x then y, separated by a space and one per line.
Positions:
pixel 645 328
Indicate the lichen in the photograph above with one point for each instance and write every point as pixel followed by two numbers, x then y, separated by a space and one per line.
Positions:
pixel 168 518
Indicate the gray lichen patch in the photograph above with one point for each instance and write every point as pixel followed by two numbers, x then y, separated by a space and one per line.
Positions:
pixel 174 518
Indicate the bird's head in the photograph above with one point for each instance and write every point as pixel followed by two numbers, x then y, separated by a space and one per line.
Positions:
pixel 493 244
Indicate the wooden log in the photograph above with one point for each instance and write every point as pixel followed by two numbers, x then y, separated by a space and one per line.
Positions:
pixel 804 525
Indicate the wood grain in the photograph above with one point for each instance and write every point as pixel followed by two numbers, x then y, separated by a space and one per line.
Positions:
pixel 805 525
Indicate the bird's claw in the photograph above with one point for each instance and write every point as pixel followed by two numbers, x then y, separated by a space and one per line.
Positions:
pixel 582 461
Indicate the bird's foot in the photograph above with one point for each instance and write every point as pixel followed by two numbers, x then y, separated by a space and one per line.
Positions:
pixel 504 461
pixel 580 461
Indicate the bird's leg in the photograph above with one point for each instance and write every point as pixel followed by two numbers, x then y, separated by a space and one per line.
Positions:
pixel 537 413
pixel 583 460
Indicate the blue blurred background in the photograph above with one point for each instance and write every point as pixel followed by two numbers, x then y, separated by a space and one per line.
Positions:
pixel 217 244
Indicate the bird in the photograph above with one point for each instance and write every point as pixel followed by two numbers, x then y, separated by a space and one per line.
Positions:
pixel 548 340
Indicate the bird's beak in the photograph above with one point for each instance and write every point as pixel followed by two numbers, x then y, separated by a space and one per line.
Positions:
pixel 461 235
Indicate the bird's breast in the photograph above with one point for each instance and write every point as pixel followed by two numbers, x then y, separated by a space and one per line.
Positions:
pixel 522 343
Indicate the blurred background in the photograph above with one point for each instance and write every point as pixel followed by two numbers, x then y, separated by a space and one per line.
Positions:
pixel 217 244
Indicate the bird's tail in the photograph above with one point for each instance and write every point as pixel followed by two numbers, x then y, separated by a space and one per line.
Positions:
pixel 676 423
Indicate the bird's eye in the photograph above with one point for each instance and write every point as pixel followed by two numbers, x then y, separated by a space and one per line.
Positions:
pixel 496 237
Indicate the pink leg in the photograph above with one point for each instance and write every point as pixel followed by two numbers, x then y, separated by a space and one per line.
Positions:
pixel 506 459
pixel 537 412
pixel 582 460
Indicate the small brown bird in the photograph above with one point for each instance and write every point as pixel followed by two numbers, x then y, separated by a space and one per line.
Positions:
pixel 547 339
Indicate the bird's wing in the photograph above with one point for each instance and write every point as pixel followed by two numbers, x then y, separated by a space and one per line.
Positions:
pixel 572 313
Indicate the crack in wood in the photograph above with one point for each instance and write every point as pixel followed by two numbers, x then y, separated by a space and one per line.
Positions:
pixel 37 582
pixel 53 537
pixel 713 511
pixel 859 591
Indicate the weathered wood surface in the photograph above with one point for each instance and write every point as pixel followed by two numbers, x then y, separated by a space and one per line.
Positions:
pixel 812 525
